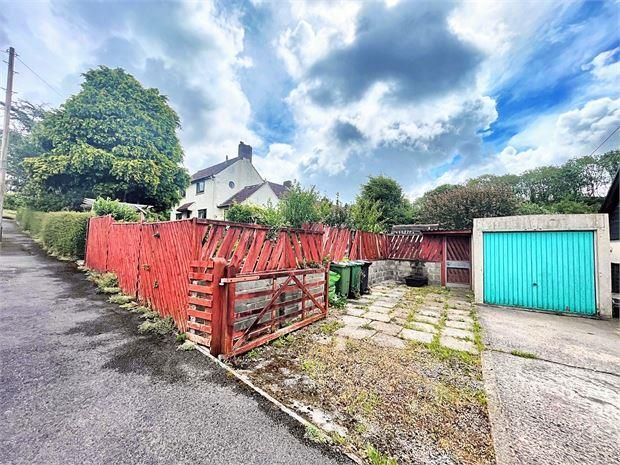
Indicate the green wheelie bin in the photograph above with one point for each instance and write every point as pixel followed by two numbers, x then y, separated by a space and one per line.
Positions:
pixel 343 284
pixel 356 279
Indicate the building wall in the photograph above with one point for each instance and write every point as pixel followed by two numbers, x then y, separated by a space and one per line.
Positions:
pixel 217 190
pixel 590 222
pixel 263 196
pixel 397 270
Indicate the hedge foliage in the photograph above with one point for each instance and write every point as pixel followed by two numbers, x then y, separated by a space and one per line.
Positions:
pixel 118 210
pixel 61 233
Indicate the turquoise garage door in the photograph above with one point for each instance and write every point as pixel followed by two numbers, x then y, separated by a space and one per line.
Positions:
pixel 551 270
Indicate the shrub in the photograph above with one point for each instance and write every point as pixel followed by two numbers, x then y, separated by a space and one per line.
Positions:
pixel 64 233
pixel 119 211
pixel 243 213
pixel 30 220
pixel 13 201
pixel 299 206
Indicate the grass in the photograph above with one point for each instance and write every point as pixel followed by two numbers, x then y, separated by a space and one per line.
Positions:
pixel 285 340
pixel 316 435
pixel 102 280
pixel 375 457
pixel 313 368
pixel 120 299
pixel 161 326
pixel 523 354
pixel 331 327
pixel 181 337
pixel 187 346
pixel 367 326
pixel 9 214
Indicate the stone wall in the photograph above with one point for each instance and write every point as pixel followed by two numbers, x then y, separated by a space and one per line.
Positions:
pixel 396 270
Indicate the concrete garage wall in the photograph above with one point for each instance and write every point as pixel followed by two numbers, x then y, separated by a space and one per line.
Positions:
pixel 591 222
pixel 396 270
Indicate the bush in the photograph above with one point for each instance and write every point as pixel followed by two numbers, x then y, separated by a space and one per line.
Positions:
pixel 243 213
pixel 118 210
pixel 62 233
pixel 13 201
pixel 299 206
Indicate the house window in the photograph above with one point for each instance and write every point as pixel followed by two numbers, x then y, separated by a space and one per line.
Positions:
pixel 202 213
pixel 179 216
pixel 200 187
pixel 231 184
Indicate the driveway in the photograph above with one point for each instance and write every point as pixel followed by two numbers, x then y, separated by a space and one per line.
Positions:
pixel 562 407
pixel 78 384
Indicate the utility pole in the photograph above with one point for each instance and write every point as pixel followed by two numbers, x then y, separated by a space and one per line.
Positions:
pixel 5 131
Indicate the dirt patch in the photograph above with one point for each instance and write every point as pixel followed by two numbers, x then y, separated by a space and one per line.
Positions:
pixel 417 405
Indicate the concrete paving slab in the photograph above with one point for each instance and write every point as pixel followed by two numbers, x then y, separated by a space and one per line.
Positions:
pixel 433 313
pixel 458 324
pixel 422 327
pixel 375 309
pixel 377 316
pixel 385 304
pixel 425 319
pixel 458 344
pixel 413 335
pixel 355 333
pixel 459 317
pixel 387 328
pixel 458 333
pixel 385 340
pixel 355 311
pixel 354 321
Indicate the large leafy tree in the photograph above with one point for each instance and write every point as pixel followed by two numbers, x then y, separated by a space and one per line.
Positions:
pixel 113 139
pixel 387 196
pixel 457 207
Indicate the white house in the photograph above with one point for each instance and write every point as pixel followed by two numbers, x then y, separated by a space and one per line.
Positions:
pixel 214 189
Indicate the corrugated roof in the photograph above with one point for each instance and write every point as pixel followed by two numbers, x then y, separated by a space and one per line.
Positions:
pixel 213 170
pixel 611 199
pixel 247 192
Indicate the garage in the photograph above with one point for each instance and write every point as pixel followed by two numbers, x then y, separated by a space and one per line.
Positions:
pixel 548 270
pixel 557 263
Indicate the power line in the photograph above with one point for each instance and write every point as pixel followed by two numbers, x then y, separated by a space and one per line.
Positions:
pixel 606 139
pixel 37 75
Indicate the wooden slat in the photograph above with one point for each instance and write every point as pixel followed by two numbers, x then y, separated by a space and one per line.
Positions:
pixel 199 327
pixel 200 288
pixel 201 276
pixel 199 339
pixel 199 301
pixel 199 314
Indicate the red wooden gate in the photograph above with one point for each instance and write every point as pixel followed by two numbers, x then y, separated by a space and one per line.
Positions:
pixel 457 261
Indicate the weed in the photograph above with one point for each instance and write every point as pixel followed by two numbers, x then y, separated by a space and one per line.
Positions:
pixel 141 309
pixel 284 341
pixel 313 368
pixel 110 290
pixel 338 438
pixel 477 330
pixel 103 280
pixel 254 353
pixel 361 428
pixel 365 402
pixel 315 434
pixel 520 353
pixel 331 327
pixel 161 326
pixel 367 326
pixel 120 299
pixel 187 345
pixel 181 337
pixel 129 306
pixel 149 315
pixel 338 302
pixel 376 457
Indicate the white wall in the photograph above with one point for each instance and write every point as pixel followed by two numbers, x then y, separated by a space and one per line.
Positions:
pixel 242 173
pixel 263 196
pixel 598 223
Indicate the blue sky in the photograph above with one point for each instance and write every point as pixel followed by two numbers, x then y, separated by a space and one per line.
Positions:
pixel 329 93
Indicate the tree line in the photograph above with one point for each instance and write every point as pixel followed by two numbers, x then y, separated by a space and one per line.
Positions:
pixel 117 139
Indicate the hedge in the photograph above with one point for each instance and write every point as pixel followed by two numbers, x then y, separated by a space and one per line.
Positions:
pixel 61 233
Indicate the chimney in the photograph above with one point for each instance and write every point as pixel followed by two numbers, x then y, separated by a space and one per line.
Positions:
pixel 245 151
pixel 288 184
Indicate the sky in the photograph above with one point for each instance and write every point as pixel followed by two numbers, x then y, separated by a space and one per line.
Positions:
pixel 329 93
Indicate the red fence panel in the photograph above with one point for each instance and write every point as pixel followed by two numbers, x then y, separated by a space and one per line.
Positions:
pixel 427 248
pixel 166 251
pixel 123 255
pixel 97 243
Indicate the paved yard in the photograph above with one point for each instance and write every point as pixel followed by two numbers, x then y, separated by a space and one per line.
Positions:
pixel 394 314
pixel 562 407
pixel 80 385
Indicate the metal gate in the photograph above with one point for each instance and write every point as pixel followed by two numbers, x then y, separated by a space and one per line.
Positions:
pixel 549 270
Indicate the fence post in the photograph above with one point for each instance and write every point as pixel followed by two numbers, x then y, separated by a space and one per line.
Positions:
pixel 228 311
pixel 217 306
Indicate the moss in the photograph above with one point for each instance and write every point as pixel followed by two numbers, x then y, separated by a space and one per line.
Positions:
pixel 187 346
pixel 120 299
pixel 316 435
pixel 331 327
pixel 523 354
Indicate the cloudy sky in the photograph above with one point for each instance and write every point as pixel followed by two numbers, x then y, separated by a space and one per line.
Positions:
pixel 329 93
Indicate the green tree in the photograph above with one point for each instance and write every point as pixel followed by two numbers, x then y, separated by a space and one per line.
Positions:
pixel 24 117
pixel 457 208
pixel 366 216
pixel 387 196
pixel 299 206
pixel 335 213
pixel 113 139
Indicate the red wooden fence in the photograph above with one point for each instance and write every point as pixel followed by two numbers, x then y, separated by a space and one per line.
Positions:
pixel 197 270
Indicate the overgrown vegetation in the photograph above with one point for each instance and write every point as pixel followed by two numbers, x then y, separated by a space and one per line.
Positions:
pixel 61 233
pixel 118 210
pixel 523 354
